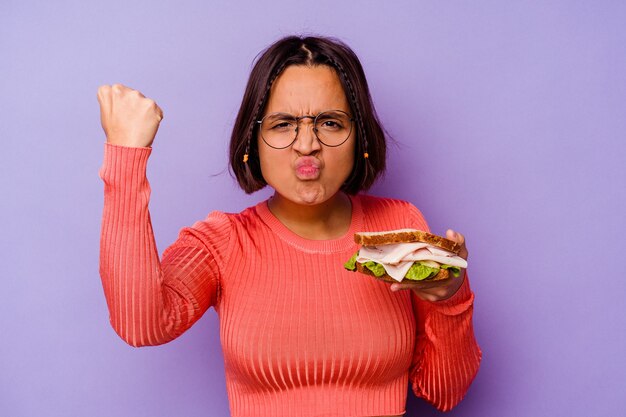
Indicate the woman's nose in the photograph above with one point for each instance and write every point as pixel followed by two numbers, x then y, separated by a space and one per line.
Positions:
pixel 306 140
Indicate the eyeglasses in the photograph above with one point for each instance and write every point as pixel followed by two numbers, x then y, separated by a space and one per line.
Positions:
pixel 331 127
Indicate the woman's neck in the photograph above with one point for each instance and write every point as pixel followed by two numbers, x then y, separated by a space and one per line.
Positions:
pixel 328 220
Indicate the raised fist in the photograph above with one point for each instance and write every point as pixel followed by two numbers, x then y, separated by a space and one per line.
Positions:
pixel 128 117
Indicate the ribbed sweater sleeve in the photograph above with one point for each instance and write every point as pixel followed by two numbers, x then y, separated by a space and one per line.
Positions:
pixel 447 356
pixel 152 301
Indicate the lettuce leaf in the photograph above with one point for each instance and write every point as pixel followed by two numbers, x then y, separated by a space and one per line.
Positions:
pixel 417 272
pixel 351 264
pixel 456 271
pixel 376 268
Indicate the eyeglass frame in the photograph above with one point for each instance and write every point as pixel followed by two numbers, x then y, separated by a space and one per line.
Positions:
pixel 306 116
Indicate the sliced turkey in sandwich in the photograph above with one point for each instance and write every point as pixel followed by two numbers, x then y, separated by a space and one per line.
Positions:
pixel 406 254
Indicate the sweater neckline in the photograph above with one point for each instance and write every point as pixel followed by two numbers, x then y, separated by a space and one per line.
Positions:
pixel 342 243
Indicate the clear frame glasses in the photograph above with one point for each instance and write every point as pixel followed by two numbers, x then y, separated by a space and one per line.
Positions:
pixel 331 127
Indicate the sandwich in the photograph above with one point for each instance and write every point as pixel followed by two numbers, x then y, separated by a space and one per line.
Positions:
pixel 406 254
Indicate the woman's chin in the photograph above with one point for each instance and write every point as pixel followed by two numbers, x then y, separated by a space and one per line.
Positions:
pixel 310 194
pixel 306 194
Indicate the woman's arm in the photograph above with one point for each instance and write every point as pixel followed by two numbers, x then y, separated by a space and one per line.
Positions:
pixel 447 356
pixel 151 301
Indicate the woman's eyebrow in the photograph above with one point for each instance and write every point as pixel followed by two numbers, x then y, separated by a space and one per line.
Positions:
pixel 279 115
pixel 283 114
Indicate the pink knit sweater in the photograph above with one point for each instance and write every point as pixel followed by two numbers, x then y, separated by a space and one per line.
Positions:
pixel 301 336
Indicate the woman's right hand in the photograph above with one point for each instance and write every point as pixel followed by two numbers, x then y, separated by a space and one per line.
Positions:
pixel 128 117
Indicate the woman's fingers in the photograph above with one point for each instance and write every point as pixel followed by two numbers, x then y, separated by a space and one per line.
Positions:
pixel 441 289
pixel 456 236
pixel 419 285
pixel 128 117
pixel 460 239
pixel 431 290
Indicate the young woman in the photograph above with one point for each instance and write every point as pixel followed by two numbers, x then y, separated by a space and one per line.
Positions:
pixel 301 336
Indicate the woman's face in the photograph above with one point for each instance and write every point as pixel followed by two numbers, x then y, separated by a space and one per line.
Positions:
pixel 307 172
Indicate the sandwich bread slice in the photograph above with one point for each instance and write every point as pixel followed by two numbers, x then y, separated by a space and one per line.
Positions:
pixel 406 254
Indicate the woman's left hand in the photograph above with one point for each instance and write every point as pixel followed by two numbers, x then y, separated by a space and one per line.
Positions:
pixel 437 290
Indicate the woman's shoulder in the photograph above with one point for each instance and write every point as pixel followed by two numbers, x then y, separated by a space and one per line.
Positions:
pixel 225 219
pixel 393 212
pixel 372 202
pixel 218 227
pixel 244 221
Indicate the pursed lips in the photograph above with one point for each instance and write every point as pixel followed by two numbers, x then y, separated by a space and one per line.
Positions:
pixel 307 167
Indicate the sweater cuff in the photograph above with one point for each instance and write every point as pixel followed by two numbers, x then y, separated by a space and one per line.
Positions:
pixel 462 299
pixel 124 164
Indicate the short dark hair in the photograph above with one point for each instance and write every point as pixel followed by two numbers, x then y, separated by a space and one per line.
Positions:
pixel 311 51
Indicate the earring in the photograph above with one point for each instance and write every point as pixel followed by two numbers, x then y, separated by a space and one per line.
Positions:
pixel 246 155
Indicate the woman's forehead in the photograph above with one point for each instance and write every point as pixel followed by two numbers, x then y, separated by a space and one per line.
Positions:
pixel 307 90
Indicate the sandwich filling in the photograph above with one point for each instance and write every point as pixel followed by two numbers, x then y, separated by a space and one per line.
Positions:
pixel 415 260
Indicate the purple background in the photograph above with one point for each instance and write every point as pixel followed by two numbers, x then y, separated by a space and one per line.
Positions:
pixel 510 122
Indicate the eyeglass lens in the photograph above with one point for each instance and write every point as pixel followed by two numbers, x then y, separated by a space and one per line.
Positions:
pixel 332 128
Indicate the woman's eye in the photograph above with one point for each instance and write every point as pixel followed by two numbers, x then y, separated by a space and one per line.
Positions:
pixel 282 125
pixel 331 124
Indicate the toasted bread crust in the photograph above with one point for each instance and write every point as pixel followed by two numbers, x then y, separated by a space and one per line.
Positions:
pixel 443 274
pixel 405 236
